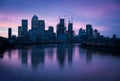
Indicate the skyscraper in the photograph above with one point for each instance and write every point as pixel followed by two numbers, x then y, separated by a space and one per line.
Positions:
pixel 41 24
pixel 50 29
pixel 89 31
pixel 95 33
pixel 24 26
pixel 82 35
pixel 61 29
pixel 9 33
pixel 50 34
pixel 70 26
pixel 82 32
pixel 19 31
pixel 70 30
pixel 41 28
pixel 34 22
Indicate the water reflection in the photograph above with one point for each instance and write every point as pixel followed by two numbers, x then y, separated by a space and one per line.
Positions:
pixel 100 51
pixel 77 63
pixel 70 53
pixel 64 54
pixel 24 54
pixel 61 54
pixel 9 53
pixel 88 56
pixel 50 52
pixel 1 54
pixel 37 55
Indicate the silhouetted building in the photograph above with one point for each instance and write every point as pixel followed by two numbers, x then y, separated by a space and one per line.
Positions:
pixel 96 34
pixel 82 35
pixel 37 33
pixel 61 31
pixel 9 33
pixel 51 29
pixel 81 32
pixel 19 31
pixel 70 31
pixel 24 26
pixel 89 31
pixel 114 36
pixel 49 34
pixel 34 22
pixel 41 25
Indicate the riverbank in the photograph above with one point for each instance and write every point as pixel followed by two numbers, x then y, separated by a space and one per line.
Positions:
pixel 101 47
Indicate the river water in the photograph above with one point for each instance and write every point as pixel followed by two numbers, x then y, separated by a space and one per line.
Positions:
pixel 61 62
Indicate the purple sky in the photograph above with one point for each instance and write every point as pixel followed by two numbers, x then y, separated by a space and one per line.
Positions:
pixel 102 14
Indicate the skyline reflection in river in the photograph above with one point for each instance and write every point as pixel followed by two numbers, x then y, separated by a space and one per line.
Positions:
pixel 61 62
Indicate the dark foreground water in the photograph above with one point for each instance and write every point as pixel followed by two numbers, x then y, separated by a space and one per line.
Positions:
pixel 58 63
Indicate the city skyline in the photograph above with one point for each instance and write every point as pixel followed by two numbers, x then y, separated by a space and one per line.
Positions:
pixel 103 15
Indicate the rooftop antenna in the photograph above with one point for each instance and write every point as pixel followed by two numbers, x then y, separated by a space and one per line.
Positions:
pixel 59 17
pixel 71 19
pixel 65 16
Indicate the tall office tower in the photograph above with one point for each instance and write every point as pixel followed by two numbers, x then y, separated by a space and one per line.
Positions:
pixel 70 30
pixel 61 27
pixel 50 34
pixel 34 23
pixel 19 31
pixel 41 28
pixel 51 29
pixel 89 31
pixel 70 26
pixel 82 32
pixel 82 35
pixel 41 24
pixel 95 33
pixel 61 30
pixel 24 26
pixel 9 33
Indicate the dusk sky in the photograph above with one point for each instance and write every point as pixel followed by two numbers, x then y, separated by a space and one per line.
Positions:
pixel 104 15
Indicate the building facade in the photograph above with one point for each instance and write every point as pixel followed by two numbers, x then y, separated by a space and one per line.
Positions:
pixel 24 27
pixel 61 30
pixel 9 33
